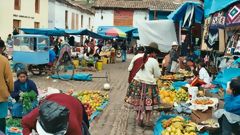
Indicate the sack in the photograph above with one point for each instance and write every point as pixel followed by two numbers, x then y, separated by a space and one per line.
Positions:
pixel 174 67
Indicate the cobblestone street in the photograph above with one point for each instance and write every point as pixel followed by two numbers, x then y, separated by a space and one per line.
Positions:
pixel 116 119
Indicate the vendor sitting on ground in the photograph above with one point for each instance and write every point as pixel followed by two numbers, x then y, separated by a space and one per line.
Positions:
pixel 58 114
pixel 23 84
pixel 229 117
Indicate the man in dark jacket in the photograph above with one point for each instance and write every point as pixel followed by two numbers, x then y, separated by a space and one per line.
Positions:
pixel 124 51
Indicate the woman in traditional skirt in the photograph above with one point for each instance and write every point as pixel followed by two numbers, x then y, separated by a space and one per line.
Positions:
pixel 143 92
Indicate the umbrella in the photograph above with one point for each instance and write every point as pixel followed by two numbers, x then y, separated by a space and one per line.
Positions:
pixel 188 13
pixel 115 33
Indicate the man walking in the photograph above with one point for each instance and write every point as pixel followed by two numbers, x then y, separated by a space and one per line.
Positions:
pixel 6 86
pixel 124 51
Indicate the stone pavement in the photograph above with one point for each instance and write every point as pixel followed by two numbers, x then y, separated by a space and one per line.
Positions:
pixel 116 119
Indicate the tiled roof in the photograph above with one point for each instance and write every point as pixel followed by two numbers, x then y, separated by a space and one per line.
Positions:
pixel 163 5
pixel 76 6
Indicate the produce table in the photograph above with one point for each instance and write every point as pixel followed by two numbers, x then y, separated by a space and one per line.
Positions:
pixel 159 127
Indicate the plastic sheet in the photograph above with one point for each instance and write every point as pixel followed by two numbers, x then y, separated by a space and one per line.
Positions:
pixel 225 76
pixel 97 113
pixel 178 84
pixel 77 77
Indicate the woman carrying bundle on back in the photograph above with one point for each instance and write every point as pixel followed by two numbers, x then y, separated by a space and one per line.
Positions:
pixel 143 92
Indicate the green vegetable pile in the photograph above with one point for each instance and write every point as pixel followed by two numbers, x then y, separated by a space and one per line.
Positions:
pixel 13 122
pixel 27 98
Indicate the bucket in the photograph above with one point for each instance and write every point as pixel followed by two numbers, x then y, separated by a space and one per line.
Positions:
pixel 99 65
pixel 193 91
pixel 76 63
pixel 104 60
pixel 83 63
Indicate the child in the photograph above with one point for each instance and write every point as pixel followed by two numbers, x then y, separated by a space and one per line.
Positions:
pixel 229 117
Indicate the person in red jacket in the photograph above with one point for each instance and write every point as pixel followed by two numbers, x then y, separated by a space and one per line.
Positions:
pixel 57 114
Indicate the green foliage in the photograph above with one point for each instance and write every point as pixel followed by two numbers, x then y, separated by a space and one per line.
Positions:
pixel 27 98
pixel 13 122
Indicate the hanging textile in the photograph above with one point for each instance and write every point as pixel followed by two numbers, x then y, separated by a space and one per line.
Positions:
pixel 218 20
pixel 188 18
pixel 233 15
pixel 212 38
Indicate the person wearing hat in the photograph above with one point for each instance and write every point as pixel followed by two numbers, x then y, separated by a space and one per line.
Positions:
pixel 142 93
pixel 173 56
pixel 6 86
pixel 58 114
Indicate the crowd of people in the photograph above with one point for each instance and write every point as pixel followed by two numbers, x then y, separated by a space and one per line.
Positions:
pixel 143 94
pixel 57 113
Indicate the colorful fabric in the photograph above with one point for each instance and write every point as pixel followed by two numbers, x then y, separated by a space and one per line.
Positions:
pixel 233 15
pixel 4 109
pixel 143 96
pixel 212 38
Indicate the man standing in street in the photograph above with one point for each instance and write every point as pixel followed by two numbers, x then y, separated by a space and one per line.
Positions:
pixel 124 51
pixel 6 86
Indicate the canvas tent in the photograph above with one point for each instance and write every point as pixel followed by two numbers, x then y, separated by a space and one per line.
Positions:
pixel 160 31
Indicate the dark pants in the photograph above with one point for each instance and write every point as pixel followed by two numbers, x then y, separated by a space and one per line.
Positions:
pixel 2 124
pixel 227 128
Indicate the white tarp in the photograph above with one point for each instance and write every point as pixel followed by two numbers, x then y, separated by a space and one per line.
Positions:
pixel 159 31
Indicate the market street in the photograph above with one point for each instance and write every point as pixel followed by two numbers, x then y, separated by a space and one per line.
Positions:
pixel 116 119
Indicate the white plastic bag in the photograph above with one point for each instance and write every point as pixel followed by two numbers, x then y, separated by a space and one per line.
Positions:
pixel 174 67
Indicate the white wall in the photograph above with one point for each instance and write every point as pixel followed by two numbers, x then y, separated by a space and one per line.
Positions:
pixel 27 10
pixel 57 16
pixel 108 17
pixel 139 16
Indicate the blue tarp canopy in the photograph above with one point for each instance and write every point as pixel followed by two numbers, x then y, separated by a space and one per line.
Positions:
pixel 62 32
pixel 127 29
pixel 180 13
pixel 84 32
pixel 212 6
pixel 47 32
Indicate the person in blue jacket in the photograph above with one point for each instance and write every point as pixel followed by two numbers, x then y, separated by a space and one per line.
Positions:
pixel 23 84
pixel 231 106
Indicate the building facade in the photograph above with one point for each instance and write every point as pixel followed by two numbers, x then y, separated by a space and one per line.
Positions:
pixel 22 14
pixel 67 15
pixel 129 12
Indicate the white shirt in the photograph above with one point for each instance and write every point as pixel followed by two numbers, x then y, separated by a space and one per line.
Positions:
pixel 149 73
pixel 133 60
pixel 203 75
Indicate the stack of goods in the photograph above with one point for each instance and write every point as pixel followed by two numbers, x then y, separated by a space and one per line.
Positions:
pixel 14 126
pixel 182 95
pixel 167 96
pixel 93 101
pixel 178 126
pixel 164 85
pixel 172 77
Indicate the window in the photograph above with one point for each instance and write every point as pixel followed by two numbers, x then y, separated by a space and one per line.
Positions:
pixel 66 19
pixel 16 24
pixel 77 21
pixel 36 25
pixel 37 6
pixel 17 4
pixel 89 23
pixel 81 21
pixel 73 21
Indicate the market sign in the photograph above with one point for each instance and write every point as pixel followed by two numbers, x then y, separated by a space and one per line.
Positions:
pixel 123 17
pixel 218 20
pixel 233 15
